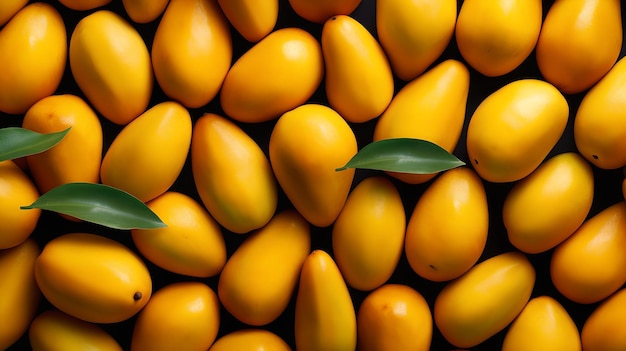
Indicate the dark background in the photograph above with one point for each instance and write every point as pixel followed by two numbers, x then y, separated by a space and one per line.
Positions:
pixel 608 183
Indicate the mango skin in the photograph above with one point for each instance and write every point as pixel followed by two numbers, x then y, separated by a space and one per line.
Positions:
pixel 485 300
pixel 144 11
pixel 318 11
pixel 33 53
pixel 250 340
pixel 512 130
pixel 9 8
pixel 253 19
pixel 232 174
pixel 601 331
pixel 545 208
pixel 84 5
pixel 131 162
pixel 65 269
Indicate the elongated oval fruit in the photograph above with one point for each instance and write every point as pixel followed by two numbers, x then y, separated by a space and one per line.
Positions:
pixel 65 272
pixel 132 162
pixel 232 174
pixel 600 121
pixel 111 65
pixel 19 296
pixel 259 278
pixel 325 318
pixel 253 19
pixel 144 11
pixel 250 340
pixel 311 183
pixel 601 330
pixel 279 73
pixel 53 330
pixel 84 5
pixel 580 41
pixel 589 266
pixel 318 11
pixel 447 231
pixel 9 8
pixel 464 309
pixel 430 107
pixel 543 325
pixel 414 34
pixel 512 130
pixel 33 53
pixel 192 244
pixel 16 189
pixel 359 81
pixel 192 51
pixel 495 37
pixel 76 158
pixel 181 315
pixel 545 208
pixel 368 234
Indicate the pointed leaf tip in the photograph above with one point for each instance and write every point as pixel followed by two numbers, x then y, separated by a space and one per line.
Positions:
pixel 16 142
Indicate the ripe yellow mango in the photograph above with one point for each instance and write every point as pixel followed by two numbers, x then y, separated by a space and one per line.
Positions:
pixel 65 272
pixel 279 73
pixel 414 34
pixel 192 51
pixel 358 80
pixel 192 244
pixel 368 234
pixel 232 174
pixel 543 325
pixel 430 107
pixel 579 42
pixel 19 296
pixel 148 154
pixel 179 316
pixel 447 231
pixel 250 340
pixel 325 318
pixel 253 19
pixel 318 11
pixel 144 11
pixel 600 121
pixel 307 144
pixel 495 37
pixel 8 8
pixel 111 65
pixel 53 330
pixel 589 266
pixel 84 5
pixel 76 158
pixel 33 53
pixel 512 130
pixel 16 189
pixel 602 331
pixel 547 206
pixel 485 300
pixel 259 278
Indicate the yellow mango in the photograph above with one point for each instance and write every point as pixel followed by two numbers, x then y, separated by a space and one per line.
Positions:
pixel 232 174
pixel 65 272
pixel 53 330
pixel 546 207
pixel 358 80
pixel 253 19
pixel 318 11
pixel 84 5
pixel 259 278
pixel 414 34
pixel 192 244
pixel 447 231
pixel 324 318
pixel 78 156
pixel 600 121
pixel 513 129
pixel 495 37
pixel 306 147
pixel 579 42
pixel 277 74
pixel 603 329
pixel 250 340
pixel 148 154
pixel 192 51
pixel 485 300
pixel 16 189
pixel 589 266
pixel 430 107
pixel 8 8
pixel 33 53
pixel 368 235
pixel 394 317
pixel 19 296
pixel 179 316
pixel 111 65
pixel 543 325
pixel 144 11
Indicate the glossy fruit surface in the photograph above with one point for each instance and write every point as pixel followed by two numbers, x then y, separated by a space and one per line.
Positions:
pixel 144 11
pixel 601 330
pixel 253 19
pixel 319 11
pixel 8 8
pixel 16 189
pixel 250 340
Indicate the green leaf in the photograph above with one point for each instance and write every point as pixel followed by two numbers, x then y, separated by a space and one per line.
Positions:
pixel 100 204
pixel 403 155
pixel 16 142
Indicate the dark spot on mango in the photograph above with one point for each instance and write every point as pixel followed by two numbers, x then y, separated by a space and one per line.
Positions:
pixel 475 161
pixel 432 267
pixel 137 296
pixel 595 157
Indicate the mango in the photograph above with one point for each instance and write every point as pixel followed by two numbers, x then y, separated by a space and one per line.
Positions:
pixel 16 189
pixel 250 340
pixel 601 331
pixel 9 8
pixel 318 11
pixel 253 19
pixel 84 5
pixel 144 11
